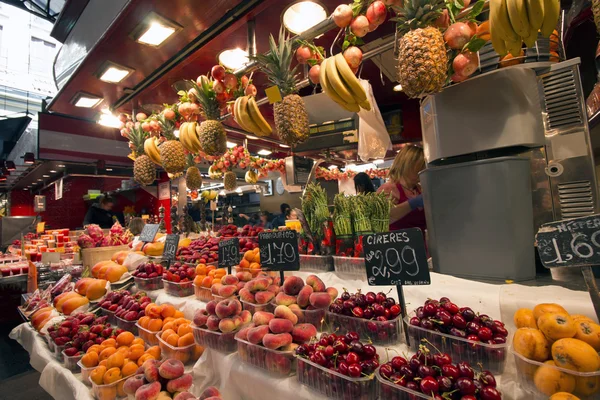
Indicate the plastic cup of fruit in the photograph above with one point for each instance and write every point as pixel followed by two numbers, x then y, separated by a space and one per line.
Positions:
pixel 58 352
pixel 492 357
pixel 218 298
pixel 257 307
pixel 110 391
pixel 112 319
pixel 147 335
pixel 15 270
pixel 333 384
pixel 203 293
pixel 526 369
pixel 219 341
pixel 148 284
pixel 85 373
pixel 389 390
pixel 51 345
pixel 70 363
pixel 185 354
pixel 5 271
pixel 379 332
pixel 306 316
pixel 275 362
pixel 130 326
pixel 179 289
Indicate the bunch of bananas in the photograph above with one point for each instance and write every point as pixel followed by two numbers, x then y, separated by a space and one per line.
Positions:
pixel 212 174
pixel 513 22
pixel 151 150
pixel 248 116
pixel 341 85
pixel 188 136
pixel 209 195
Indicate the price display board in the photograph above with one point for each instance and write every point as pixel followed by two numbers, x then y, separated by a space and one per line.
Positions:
pixel 148 233
pixel 573 243
pixel 229 253
pixel 279 250
pixel 171 243
pixel 396 258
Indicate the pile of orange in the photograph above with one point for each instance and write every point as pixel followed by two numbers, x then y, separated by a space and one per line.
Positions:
pixel 250 262
pixel 208 275
pixel 177 341
pixel 156 316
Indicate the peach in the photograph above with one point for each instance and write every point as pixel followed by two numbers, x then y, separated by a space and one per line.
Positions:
pixel 133 383
pixel 283 299
pixel 210 391
pixel 275 341
pixel 264 297
pixel 316 283
pixel 303 332
pixel 320 300
pixel 246 317
pixel 171 369
pixel 292 285
pixel 244 276
pixel 332 292
pixel 184 396
pixel 279 363
pixel 148 391
pixel 240 285
pixel 280 325
pixel 228 307
pixel 273 288
pixel 227 325
pixel 212 323
pixel 215 288
pixel 262 318
pixel 229 280
pixel 180 384
pixel 227 290
pixel 200 317
pixel 243 333
pixel 255 335
pixel 247 296
pixel 285 312
pixel 303 296
pixel 151 370
pixel 258 284
pixel 210 307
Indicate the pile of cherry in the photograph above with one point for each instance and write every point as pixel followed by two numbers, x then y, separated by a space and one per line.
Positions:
pixel 436 376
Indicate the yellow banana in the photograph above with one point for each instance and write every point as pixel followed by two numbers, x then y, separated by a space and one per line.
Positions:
pixel 238 114
pixel 151 150
pixel 247 121
pixel 497 39
pixel 336 83
pixel 365 104
pixel 530 40
pixel 551 14
pixel 499 18
pixel 192 136
pixel 324 81
pixel 514 48
pixel 517 12
pixel 184 137
pixel 349 78
pixel 535 12
pixel 257 117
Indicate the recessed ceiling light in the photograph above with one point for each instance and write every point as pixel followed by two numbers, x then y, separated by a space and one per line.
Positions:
pixel 233 58
pixel 46 176
pixel 61 165
pixel 109 169
pixel 40 180
pixel 398 88
pixel 231 145
pixel 303 15
pixel 264 152
pixel 155 30
pixel 52 171
pixel 86 100
pixel 113 73
pixel 285 146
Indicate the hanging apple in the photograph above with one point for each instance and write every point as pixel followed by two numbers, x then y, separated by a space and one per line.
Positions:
pixel 218 72
pixel 360 26
pixel 342 15
pixel 313 74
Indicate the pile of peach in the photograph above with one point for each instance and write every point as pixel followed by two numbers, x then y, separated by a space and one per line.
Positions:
pixel 260 290
pixel 225 316
pixel 156 316
pixel 311 296
pixel 250 262
pixel 158 380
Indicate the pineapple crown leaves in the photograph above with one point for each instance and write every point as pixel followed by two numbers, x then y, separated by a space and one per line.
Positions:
pixel 417 14
pixel 137 137
pixel 207 98
pixel 276 64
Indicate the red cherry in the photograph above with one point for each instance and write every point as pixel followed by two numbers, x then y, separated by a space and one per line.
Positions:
pixel 485 334
pixel 398 361
pixel 489 393
pixel 395 310
pixel 465 385
pixel 352 358
pixel 354 370
pixel 429 385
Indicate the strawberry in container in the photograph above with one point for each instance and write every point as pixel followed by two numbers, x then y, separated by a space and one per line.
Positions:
pixel 179 279
pixel 200 251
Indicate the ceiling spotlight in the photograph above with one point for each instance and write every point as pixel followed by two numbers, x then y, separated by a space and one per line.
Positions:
pixel 52 171
pixel 29 158
pixel 231 145
pixel 10 165
pixel 285 146
pixel 40 180
pixel 264 152
pixel 113 73
pixel 233 58
pixel 303 15
pixel 61 165
pixel 46 176
pixel 109 169
pixel 398 88
pixel 251 137
pixel 109 120
pixel 155 30
pixel 85 100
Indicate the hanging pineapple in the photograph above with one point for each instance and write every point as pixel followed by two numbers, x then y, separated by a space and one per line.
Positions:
pixel 229 180
pixel 193 179
pixel 172 154
pixel 596 13
pixel 291 118
pixel 144 171
pixel 422 59
pixel 211 133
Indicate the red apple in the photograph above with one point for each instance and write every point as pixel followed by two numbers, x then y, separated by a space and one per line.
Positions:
pixel 245 81
pixel 218 87
pixel 353 56
pixel 250 90
pixel 230 81
pixel 376 12
pixel 218 72
pixel 466 63
pixel 457 35
pixel 360 26
pixel 313 74
pixel 342 15
pixel 303 54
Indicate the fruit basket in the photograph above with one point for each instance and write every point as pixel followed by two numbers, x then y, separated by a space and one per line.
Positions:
pixel 130 326
pixel 350 265
pixel 527 369
pixel 257 307
pixel 491 356
pixel 380 332
pixel 390 391
pixel 179 289
pixel 71 363
pixel 222 342
pixel 112 319
pixel 185 354
pixel 148 335
pixel 333 384
pixel 277 363
pixel 203 293
pixel 316 263
pixel 85 372
pixel 110 391
pixel 148 284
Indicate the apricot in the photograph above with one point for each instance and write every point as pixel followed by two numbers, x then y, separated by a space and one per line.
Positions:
pixel 556 326
pixel 173 339
pixel 125 338
pixel 129 368
pixel 524 318
pixel 184 329
pixel 138 340
pixel 154 351
pixel 115 361
pixel 109 343
pixel 153 310
pixel 185 340
pixel 97 374
pixel 107 352
pixel 550 380
pixel 112 375
pixel 145 357
pixel 563 396
pixel 136 351
pixel 143 322
pixel 197 352
pixel 95 348
pixel 167 311
pixel 166 333
pixel 544 308
pixel 90 359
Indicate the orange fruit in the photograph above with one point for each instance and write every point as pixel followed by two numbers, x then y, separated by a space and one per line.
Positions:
pixel 198 350
pixel 173 339
pixel 103 363
pixel 125 338
pixel 90 359
pixel 168 326
pixel 166 333
pixel 143 358
pixel 167 311
pixel 168 319
pixel 178 314
pixel 97 374
pixel 129 368
pixel 182 356
pixel 109 343
pixel 244 264
pixel 107 352
pixel 185 340
pixel 184 329
pixel 143 322
pixel 115 361
pixel 154 325
pixel 136 351
pixel 124 350
pixel 112 375
pixel 95 349
pixel 153 311
pixel 249 256
pixel 138 340
pixel 154 351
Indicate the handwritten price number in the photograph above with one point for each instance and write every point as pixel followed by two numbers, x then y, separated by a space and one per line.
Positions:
pixel 394 261
pixel 285 252
pixel 582 249
pixel 171 248
pixel 229 254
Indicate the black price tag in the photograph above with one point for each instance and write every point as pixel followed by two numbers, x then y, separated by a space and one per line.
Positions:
pixel 279 250
pixel 396 258
pixel 572 243
pixel 171 244
pixel 148 233
pixel 229 252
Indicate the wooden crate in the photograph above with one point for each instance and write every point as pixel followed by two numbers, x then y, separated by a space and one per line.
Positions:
pixel 89 257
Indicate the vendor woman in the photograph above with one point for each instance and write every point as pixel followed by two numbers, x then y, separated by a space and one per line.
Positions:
pixel 403 185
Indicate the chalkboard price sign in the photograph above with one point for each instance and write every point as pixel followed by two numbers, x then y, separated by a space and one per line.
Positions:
pixel 396 258
pixel 148 233
pixel 171 243
pixel 279 250
pixel 570 243
pixel 229 252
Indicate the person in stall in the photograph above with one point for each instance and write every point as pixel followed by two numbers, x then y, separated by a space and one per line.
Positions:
pixel 291 214
pixel 363 183
pixel 100 213
pixel 279 220
pixel 403 185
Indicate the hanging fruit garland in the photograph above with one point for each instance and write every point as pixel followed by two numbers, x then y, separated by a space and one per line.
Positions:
pixel 239 157
pixel 337 175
